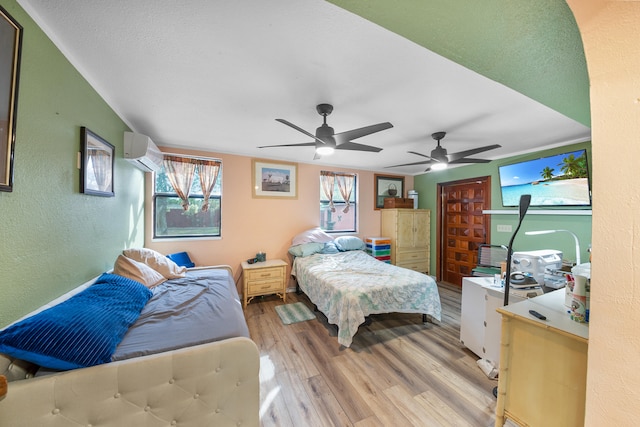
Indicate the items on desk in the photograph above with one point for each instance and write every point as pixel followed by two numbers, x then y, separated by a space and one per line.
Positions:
pixel 579 290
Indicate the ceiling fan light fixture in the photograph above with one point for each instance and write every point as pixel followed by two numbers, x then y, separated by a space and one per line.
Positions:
pixel 324 151
pixel 438 166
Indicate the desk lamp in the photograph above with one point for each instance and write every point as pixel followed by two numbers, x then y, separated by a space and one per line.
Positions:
pixel 533 233
pixel 525 199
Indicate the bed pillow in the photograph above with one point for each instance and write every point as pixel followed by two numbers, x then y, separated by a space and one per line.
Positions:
pixel 81 331
pixel 157 261
pixel 330 248
pixel 349 243
pixel 134 270
pixel 306 249
pixel 315 235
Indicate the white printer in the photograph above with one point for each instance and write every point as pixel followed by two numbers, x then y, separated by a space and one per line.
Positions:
pixel 537 263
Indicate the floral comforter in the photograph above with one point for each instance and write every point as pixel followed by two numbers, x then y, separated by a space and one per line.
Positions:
pixel 348 286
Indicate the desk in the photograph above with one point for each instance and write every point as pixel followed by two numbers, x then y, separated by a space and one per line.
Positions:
pixel 543 369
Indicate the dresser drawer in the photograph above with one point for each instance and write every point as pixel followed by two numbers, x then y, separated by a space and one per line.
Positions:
pixel 266 287
pixel 411 256
pixel 421 266
pixel 264 274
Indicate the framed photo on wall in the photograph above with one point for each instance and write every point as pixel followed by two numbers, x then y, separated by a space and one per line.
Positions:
pixel 274 180
pixel 387 186
pixel 96 166
pixel 11 41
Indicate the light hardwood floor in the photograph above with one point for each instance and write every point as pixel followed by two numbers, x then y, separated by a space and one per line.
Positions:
pixel 397 372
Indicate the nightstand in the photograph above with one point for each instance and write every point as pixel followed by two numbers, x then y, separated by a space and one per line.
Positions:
pixel 264 278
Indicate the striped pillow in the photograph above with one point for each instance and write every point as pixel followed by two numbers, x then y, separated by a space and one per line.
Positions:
pixel 81 331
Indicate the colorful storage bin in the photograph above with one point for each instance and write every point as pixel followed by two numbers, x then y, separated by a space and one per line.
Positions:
pixel 379 248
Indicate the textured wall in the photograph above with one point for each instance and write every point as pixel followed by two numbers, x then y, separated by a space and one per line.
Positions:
pixel 533 47
pixel 611 39
pixel 52 238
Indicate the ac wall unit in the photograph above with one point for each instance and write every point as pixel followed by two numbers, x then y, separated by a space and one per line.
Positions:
pixel 142 152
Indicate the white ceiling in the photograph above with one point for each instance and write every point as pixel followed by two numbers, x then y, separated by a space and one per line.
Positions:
pixel 214 75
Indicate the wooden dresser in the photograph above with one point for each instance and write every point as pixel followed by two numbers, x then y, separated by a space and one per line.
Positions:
pixel 409 231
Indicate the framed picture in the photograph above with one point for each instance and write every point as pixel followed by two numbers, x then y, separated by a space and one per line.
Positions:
pixel 96 166
pixel 274 180
pixel 387 186
pixel 11 42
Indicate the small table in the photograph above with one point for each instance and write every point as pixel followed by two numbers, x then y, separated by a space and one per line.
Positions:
pixel 264 278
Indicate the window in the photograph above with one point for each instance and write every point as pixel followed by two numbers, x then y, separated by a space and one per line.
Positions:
pixel 181 205
pixel 338 202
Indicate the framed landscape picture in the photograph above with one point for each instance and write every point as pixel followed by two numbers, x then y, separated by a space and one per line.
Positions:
pixel 274 180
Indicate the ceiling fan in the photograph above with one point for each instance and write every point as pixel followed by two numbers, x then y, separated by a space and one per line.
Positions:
pixel 326 141
pixel 439 159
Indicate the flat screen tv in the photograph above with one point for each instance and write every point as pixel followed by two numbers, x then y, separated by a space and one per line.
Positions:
pixel 559 180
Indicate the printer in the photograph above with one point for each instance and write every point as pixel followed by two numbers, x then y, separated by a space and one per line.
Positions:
pixel 542 265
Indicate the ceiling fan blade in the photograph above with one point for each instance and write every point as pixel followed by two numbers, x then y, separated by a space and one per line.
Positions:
pixel 304 144
pixel 424 162
pixel 461 154
pixel 357 147
pixel 470 160
pixel 299 129
pixel 344 137
pixel 419 154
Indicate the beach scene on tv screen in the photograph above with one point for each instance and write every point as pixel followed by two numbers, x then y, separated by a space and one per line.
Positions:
pixel 560 180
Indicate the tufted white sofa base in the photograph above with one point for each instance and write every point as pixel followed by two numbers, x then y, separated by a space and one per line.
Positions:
pixel 214 384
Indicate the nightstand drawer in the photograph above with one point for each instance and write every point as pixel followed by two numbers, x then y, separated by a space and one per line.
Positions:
pixel 264 274
pixel 265 287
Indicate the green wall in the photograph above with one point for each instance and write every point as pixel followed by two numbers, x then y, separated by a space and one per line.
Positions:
pixel 426 185
pixel 52 237
pixel 533 47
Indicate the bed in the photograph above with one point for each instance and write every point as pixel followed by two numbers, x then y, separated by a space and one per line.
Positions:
pixel 347 284
pixel 185 358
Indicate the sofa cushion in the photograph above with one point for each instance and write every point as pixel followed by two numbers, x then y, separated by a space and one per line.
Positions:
pixel 81 331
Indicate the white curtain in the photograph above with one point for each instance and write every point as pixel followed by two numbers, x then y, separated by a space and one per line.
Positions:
pixel 208 171
pixel 327 181
pixel 180 171
pixel 345 186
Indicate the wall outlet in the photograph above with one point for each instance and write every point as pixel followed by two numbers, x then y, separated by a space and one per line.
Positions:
pixel 505 228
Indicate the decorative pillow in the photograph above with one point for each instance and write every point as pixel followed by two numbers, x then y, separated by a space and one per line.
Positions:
pixel 329 248
pixel 134 270
pixel 157 261
pixel 81 331
pixel 306 249
pixel 314 235
pixel 349 243
pixel 182 259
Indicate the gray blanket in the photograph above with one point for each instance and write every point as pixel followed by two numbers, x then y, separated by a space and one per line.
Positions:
pixel 200 308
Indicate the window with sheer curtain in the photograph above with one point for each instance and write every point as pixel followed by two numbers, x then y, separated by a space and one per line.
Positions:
pixel 338 202
pixel 187 197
